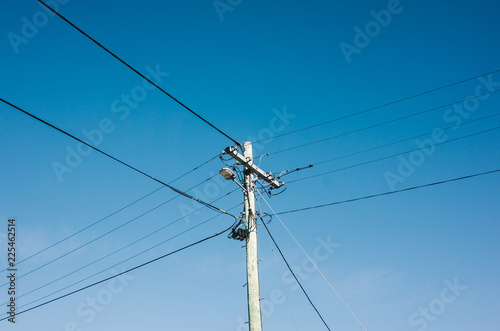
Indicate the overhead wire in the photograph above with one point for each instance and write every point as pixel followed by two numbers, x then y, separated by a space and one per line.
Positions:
pixel 120 249
pixel 103 235
pixel 314 264
pixel 287 172
pixel 393 155
pixel 390 192
pixel 265 189
pixel 167 185
pixel 114 158
pixel 294 276
pixel 139 73
pixel 283 283
pixel 123 272
pixel 194 113
pixel 379 124
pixel 387 144
pixel 377 107
pixel 410 138
pixel 281 275
pixel 109 215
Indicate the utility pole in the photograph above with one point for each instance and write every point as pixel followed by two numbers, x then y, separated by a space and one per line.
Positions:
pixel 250 171
pixel 254 314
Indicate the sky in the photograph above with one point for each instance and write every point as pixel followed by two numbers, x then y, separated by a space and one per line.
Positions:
pixel 426 259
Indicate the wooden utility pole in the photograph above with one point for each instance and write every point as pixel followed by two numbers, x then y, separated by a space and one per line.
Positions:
pixel 253 289
pixel 250 171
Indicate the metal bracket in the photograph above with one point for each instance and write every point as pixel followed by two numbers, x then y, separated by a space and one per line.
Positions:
pixel 268 177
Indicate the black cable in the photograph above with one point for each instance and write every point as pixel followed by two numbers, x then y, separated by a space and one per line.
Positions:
pixel 116 251
pixel 293 274
pixel 393 155
pixel 377 107
pixel 123 272
pixel 272 192
pixel 287 172
pixel 239 174
pixel 379 124
pixel 194 169
pixel 389 192
pixel 264 189
pixel 391 143
pixel 114 158
pixel 137 72
pixel 108 216
pixel 104 234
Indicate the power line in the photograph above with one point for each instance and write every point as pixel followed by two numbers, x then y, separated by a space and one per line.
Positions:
pixel 109 215
pixel 386 145
pixel 393 155
pixel 281 276
pixel 123 272
pixel 104 234
pixel 194 169
pixel 293 274
pixel 414 137
pixel 118 250
pixel 314 264
pixel 134 242
pixel 123 261
pixel 114 158
pixel 140 74
pixel 379 124
pixel 377 107
pixel 389 192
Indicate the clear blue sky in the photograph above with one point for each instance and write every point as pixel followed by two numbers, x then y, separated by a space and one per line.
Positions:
pixel 420 260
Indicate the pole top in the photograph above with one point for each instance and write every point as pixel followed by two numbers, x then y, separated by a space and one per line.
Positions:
pixel 247 149
pixel 247 160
